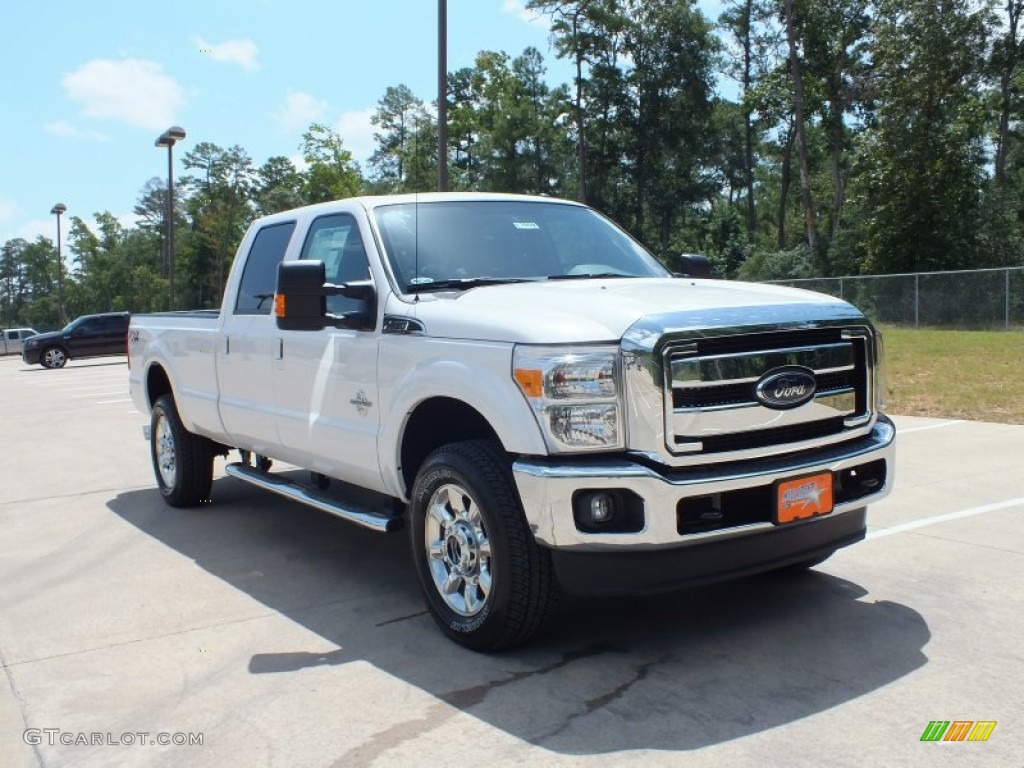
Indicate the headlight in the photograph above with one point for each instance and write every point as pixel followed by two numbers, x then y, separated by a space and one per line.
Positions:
pixel 575 394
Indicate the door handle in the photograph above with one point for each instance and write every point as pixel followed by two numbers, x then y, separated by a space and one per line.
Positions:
pixel 280 349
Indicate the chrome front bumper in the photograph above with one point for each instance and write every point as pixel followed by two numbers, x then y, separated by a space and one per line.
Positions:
pixel 547 488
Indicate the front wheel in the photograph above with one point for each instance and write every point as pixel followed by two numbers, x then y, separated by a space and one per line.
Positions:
pixel 53 357
pixel 487 583
pixel 182 461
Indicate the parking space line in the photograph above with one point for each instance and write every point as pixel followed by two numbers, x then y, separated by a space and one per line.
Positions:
pixel 970 512
pixel 952 423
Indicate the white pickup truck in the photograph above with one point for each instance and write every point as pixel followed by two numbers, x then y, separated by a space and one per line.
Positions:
pixel 541 403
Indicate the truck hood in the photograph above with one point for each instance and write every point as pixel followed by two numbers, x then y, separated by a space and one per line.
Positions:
pixel 603 309
pixel 42 338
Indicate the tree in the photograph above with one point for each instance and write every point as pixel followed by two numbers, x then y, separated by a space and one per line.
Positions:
pixel 399 117
pixel 796 70
pixel 332 174
pixel 922 158
pixel 1005 63
pixel 278 186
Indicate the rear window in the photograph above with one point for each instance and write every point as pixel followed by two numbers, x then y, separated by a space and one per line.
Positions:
pixel 256 293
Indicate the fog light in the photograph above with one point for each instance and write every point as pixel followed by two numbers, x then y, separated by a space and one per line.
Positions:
pixel 602 507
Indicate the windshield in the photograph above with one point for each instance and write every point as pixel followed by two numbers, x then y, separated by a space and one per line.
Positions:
pixel 440 245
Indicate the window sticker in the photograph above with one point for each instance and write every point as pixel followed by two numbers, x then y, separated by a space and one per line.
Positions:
pixel 525 225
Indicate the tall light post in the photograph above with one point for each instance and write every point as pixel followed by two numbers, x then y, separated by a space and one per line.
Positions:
pixel 57 210
pixel 442 95
pixel 167 139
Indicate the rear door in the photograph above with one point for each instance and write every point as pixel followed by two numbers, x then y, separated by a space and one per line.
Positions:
pixel 251 344
pixel 112 332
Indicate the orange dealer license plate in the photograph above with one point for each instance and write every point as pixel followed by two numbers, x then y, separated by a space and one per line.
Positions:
pixel 803 497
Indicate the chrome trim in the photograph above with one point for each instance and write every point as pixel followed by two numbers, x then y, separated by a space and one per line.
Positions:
pixel 744 367
pixel 649 412
pixel 375 519
pixel 399 324
pixel 546 489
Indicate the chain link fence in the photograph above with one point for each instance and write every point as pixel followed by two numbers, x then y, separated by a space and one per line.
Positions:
pixel 977 299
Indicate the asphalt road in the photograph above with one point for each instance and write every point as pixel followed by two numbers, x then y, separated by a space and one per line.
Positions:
pixel 285 637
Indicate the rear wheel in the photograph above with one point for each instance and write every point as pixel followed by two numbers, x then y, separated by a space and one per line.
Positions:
pixel 182 461
pixel 53 357
pixel 487 583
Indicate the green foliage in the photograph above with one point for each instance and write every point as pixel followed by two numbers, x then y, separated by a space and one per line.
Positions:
pixel 913 121
pixel 779 265
pixel 332 174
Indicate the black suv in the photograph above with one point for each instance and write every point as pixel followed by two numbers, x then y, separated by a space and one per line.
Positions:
pixel 86 336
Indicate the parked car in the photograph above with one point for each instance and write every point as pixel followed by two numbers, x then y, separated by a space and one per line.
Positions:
pixel 86 336
pixel 12 339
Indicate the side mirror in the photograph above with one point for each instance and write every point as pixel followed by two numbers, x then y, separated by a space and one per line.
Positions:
pixel 300 302
pixel 693 265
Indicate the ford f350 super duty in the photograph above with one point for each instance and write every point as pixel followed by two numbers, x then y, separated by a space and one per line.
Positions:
pixel 539 402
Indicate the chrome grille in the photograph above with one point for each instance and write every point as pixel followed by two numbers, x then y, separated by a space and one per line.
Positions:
pixel 712 386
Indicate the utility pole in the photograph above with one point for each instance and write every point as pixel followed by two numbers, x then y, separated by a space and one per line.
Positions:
pixel 442 95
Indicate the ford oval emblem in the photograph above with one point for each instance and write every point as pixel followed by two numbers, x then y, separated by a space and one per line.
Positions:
pixel 784 388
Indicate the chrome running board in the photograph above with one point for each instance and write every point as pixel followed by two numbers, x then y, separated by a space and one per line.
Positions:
pixel 375 520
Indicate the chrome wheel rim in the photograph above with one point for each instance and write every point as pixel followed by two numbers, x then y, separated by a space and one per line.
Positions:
pixel 458 550
pixel 165 454
pixel 54 358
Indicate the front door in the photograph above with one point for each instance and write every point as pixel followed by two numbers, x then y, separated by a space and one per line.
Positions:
pixel 325 381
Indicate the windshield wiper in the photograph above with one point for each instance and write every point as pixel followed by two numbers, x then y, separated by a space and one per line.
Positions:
pixel 465 283
pixel 589 276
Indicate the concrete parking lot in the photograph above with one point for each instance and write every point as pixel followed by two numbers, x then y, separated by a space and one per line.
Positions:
pixel 285 637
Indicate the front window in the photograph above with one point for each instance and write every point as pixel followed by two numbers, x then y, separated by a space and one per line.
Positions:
pixel 453 244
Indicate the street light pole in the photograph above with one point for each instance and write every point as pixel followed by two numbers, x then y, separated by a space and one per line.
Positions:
pixel 442 95
pixel 58 209
pixel 167 139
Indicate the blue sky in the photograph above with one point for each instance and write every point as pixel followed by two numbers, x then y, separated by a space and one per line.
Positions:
pixel 87 87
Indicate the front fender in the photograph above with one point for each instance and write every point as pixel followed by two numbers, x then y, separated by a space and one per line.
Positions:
pixel 479 374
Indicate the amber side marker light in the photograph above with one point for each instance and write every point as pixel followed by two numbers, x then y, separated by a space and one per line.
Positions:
pixel 531 381
pixel 279 305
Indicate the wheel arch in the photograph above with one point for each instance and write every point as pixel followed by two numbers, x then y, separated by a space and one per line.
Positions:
pixel 158 383
pixel 439 421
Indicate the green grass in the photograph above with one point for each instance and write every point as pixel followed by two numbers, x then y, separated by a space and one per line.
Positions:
pixel 977 375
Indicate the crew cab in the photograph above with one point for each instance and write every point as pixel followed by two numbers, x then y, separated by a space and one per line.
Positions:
pixel 85 336
pixel 540 402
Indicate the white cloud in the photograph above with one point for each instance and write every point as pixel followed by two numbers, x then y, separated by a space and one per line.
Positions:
pixel 30 230
pixel 518 9
pixel 299 162
pixel 8 210
pixel 66 130
pixel 240 52
pixel 299 110
pixel 134 91
pixel 356 132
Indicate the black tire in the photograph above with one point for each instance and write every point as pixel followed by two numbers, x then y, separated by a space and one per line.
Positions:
pixel 191 473
pixel 53 357
pixel 522 591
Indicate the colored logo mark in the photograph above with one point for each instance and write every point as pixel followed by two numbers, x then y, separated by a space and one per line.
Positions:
pixel 958 730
